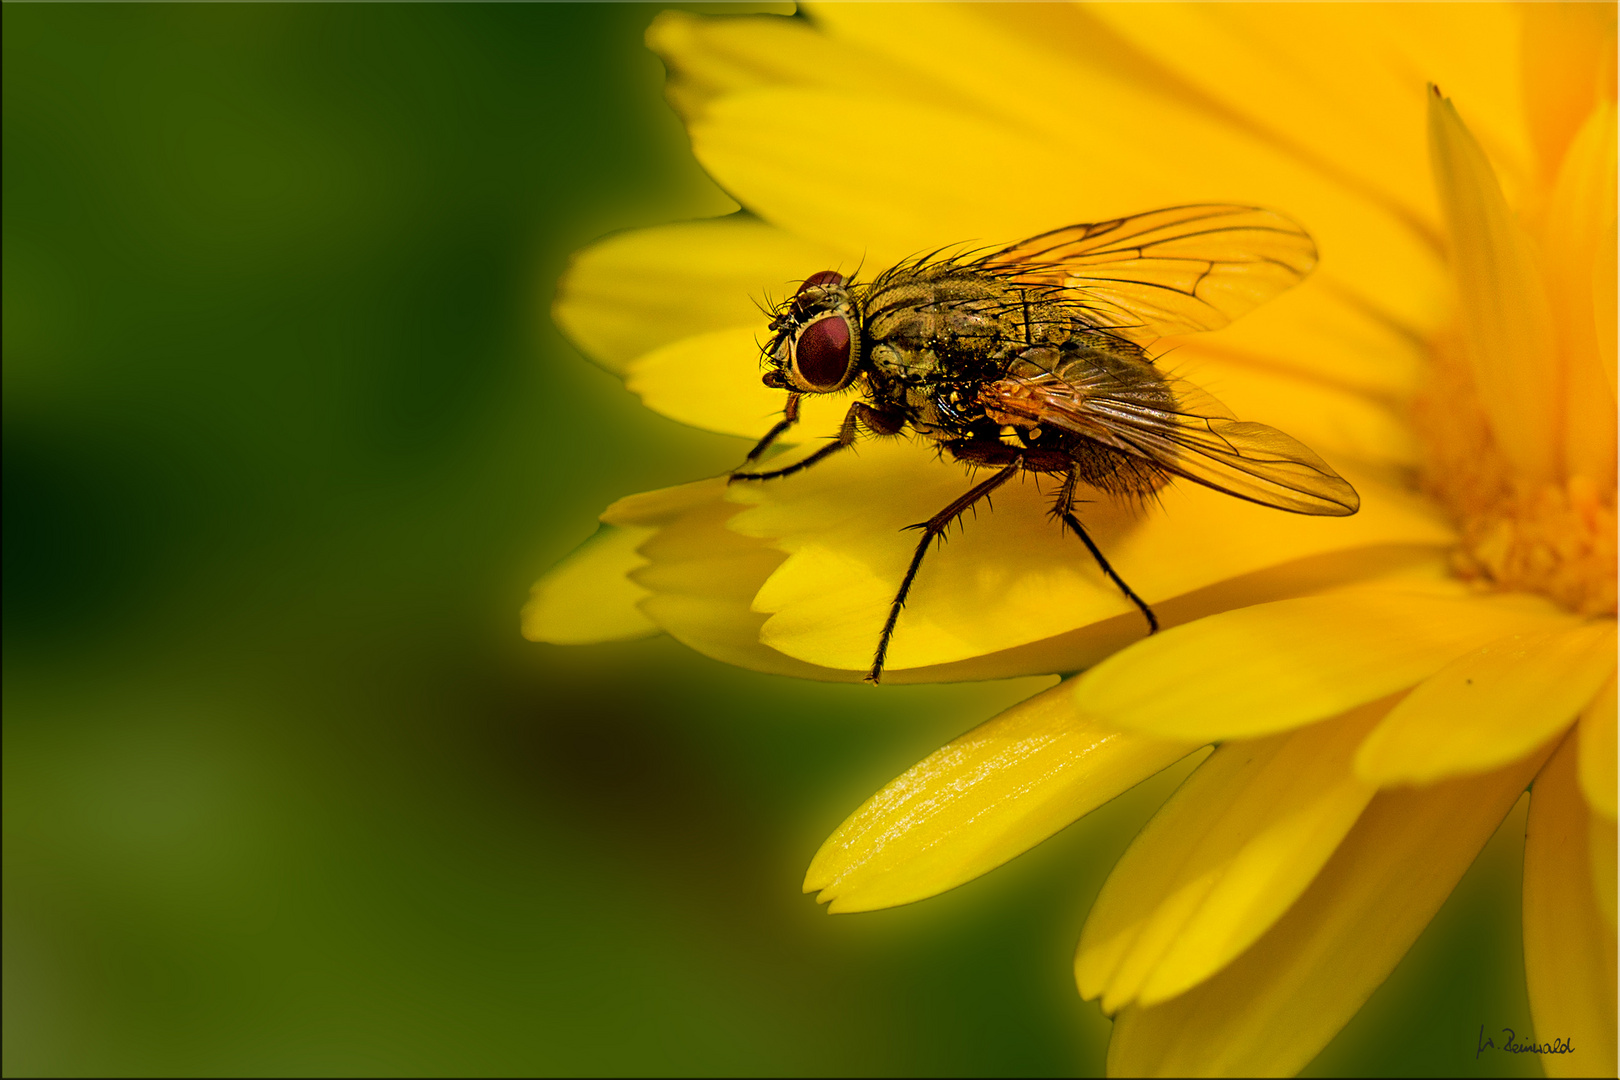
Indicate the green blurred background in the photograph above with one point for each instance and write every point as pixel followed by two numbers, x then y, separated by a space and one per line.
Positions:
pixel 287 435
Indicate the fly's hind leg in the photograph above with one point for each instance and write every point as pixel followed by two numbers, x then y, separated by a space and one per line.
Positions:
pixel 1063 509
pixel 933 528
pixel 860 415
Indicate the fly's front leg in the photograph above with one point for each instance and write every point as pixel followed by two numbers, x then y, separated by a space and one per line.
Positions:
pixel 860 415
pixel 790 416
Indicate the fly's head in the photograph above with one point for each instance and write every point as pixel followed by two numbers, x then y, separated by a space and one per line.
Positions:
pixel 815 346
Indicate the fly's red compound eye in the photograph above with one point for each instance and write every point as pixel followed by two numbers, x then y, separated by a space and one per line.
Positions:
pixel 826 277
pixel 822 355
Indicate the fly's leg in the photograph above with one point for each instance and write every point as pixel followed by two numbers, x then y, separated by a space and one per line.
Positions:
pixel 1152 620
pixel 847 433
pixel 790 416
pixel 860 415
pixel 1063 509
pixel 1065 496
pixel 931 529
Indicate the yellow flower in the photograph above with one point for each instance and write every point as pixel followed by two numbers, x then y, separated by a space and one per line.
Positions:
pixel 1381 688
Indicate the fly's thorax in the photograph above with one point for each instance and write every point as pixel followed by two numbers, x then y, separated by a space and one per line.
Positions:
pixel 932 322
pixel 944 321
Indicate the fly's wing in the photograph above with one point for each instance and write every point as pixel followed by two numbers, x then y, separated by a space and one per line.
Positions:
pixel 1181 429
pixel 1174 271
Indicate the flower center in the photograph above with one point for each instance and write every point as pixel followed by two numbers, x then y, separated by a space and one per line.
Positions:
pixel 1556 539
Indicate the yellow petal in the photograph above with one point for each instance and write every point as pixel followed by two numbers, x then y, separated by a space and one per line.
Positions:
pixel 712 381
pixel 589 597
pixel 1506 323
pixel 725 629
pixel 709 58
pixel 1568 59
pixel 1320 333
pixel 699 576
pixel 1472 51
pixel 1272 1009
pixel 629 294
pixel 1220 863
pixel 980 800
pixel 1364 92
pixel 1009 576
pixel 696 555
pixel 1601 846
pixel 703 604
pixel 1276 666
pixel 1569 949
pixel 1582 202
pixel 894 205
pixel 888 207
pixel 660 507
pixel 1490 706
pixel 1604 297
pixel 1598 749
pixel 721 630
pixel 1352 109
pixel 702 576
pixel 1087 646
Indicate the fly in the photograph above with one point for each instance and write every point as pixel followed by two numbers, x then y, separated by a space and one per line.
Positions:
pixel 1031 359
